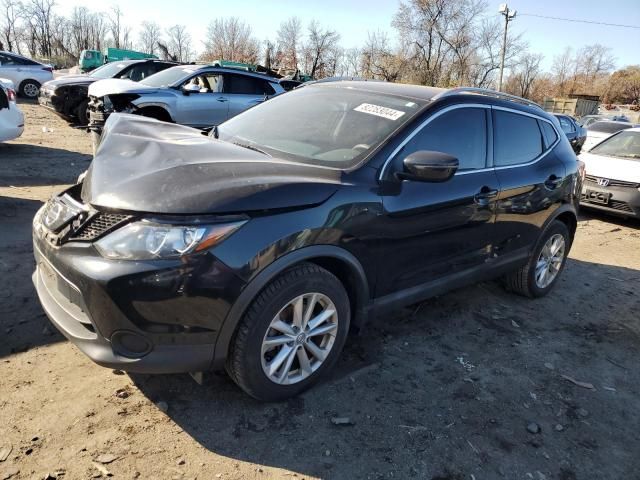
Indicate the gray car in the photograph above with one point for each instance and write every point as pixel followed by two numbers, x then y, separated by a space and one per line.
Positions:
pixel 194 95
pixel 26 74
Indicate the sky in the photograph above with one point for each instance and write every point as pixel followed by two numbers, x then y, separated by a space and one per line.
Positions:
pixel 354 18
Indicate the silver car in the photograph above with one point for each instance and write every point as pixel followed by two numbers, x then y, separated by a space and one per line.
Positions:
pixel 26 74
pixel 194 95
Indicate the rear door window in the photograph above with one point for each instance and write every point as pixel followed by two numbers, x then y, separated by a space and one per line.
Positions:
pixel 461 132
pixel 246 85
pixel 549 133
pixel 516 138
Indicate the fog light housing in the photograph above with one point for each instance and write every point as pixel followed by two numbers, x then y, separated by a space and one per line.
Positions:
pixel 130 344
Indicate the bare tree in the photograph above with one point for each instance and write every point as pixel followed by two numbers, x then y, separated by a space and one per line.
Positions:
pixel 378 59
pixel 317 49
pixel 38 15
pixel 116 27
pixel 524 75
pixel 149 36
pixel 231 39
pixel 351 62
pixel 561 69
pixel 9 30
pixel 289 42
pixel 179 43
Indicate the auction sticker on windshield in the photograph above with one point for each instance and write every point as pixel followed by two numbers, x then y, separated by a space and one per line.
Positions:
pixel 384 112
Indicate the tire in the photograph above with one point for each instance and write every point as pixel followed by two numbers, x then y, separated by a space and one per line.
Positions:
pixel 29 89
pixel 249 359
pixel 525 281
pixel 82 113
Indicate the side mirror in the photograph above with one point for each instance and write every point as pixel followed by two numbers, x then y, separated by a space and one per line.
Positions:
pixel 429 166
pixel 190 88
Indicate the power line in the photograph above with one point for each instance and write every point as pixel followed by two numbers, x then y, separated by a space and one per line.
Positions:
pixel 581 21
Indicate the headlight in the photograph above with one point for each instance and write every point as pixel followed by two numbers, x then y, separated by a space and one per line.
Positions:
pixel 147 241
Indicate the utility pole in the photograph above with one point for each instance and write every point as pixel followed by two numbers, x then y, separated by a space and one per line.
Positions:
pixel 509 15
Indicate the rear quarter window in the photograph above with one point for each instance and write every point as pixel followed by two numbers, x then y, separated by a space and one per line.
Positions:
pixel 549 132
pixel 516 138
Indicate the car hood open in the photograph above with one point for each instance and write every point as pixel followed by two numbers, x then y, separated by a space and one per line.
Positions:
pixel 144 165
pixel 114 86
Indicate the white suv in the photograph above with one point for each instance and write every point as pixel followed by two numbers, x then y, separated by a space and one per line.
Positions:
pixel 11 118
pixel 26 74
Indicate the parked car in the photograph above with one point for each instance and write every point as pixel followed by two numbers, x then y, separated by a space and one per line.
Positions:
pixel 11 117
pixel 612 182
pixel 259 249
pixel 576 133
pixel 198 96
pixel 587 120
pixel 596 132
pixel 26 74
pixel 68 96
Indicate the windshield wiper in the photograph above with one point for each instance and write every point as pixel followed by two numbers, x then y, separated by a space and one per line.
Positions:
pixel 251 147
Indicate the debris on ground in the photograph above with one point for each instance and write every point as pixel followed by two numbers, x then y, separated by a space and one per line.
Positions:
pixel 343 421
pixel 106 458
pixel 533 427
pixel 588 386
pixel 5 452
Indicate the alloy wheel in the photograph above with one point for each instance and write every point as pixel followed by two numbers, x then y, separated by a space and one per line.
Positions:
pixel 30 90
pixel 550 260
pixel 299 338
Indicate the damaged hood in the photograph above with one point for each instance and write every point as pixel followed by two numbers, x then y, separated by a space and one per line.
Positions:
pixel 114 86
pixel 70 80
pixel 144 165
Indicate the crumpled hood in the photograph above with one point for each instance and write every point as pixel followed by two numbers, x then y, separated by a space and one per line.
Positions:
pixel 611 167
pixel 70 80
pixel 144 165
pixel 114 86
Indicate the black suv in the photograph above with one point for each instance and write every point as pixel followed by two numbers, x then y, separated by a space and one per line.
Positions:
pixel 67 96
pixel 257 248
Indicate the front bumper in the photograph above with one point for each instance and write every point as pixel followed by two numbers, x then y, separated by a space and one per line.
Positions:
pixel 146 317
pixel 622 201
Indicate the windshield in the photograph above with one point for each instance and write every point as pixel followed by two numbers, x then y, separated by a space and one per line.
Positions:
pixel 323 125
pixel 168 77
pixel 108 70
pixel 608 127
pixel 624 145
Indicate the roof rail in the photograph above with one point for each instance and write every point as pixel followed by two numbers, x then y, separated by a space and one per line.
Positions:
pixel 487 93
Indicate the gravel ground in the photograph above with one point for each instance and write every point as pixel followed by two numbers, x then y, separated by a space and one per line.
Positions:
pixel 475 384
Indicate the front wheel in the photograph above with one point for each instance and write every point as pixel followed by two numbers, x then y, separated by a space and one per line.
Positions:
pixel 292 333
pixel 539 275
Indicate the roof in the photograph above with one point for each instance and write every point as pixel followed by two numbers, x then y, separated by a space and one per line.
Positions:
pixel 400 89
pixel 197 67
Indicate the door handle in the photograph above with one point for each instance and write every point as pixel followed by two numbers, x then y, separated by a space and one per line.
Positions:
pixel 484 195
pixel 553 182
pixel 222 99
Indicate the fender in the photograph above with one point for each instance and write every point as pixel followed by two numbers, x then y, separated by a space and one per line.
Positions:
pixel 562 209
pixel 363 299
pixel 161 105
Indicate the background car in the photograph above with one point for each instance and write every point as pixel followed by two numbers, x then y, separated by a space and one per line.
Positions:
pixel 576 134
pixel 598 131
pixel 26 74
pixel 612 181
pixel 197 96
pixel 590 119
pixel 68 96
pixel 11 117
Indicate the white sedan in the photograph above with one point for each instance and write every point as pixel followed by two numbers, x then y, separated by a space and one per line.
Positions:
pixel 612 181
pixel 598 131
pixel 11 117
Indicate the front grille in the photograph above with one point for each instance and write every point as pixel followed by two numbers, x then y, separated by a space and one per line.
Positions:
pixel 98 225
pixel 622 206
pixel 612 183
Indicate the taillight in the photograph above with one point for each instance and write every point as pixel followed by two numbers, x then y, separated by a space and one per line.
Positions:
pixel 11 95
pixel 48 69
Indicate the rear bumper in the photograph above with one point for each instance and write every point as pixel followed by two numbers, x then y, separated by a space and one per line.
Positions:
pixel 11 123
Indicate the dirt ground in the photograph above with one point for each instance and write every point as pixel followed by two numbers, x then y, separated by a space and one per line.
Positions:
pixel 445 390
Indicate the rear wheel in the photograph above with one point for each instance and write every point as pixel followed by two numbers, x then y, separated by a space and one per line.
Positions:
pixel 82 113
pixel 539 275
pixel 29 89
pixel 292 333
